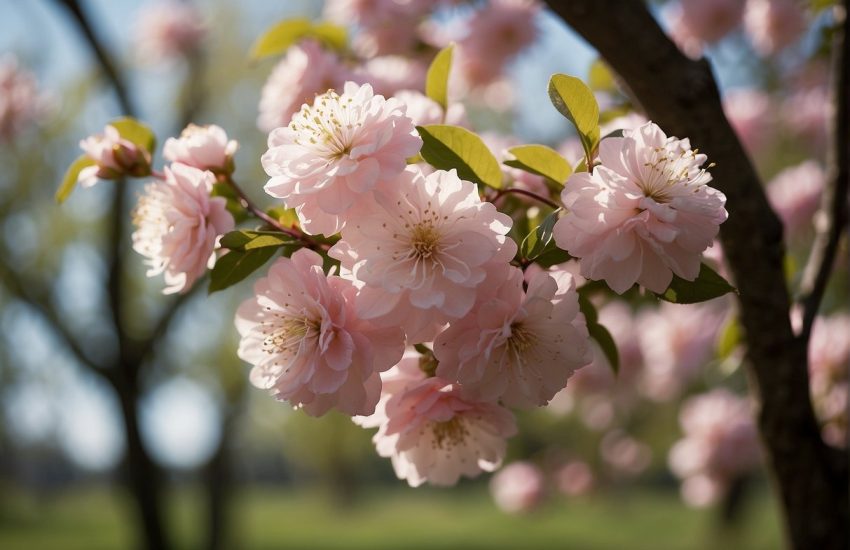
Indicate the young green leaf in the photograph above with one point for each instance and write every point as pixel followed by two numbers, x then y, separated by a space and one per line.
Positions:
pixel 236 265
pixel 446 147
pixel 333 36
pixel 540 240
pixel 284 34
pixel 69 180
pixel 135 132
pixel 576 101
pixel 599 77
pixel 437 81
pixel 541 160
pixel 244 239
pixel 708 284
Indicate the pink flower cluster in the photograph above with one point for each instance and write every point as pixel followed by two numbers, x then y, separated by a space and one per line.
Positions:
pixel 114 158
pixel 720 445
pixel 21 104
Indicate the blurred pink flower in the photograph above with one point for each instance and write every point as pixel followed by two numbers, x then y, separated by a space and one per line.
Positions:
pixel 202 147
pixel 335 152
pixel 751 114
pixel 625 454
pixel 519 347
pixel 677 342
pixel 306 343
pixel 384 27
pixel 423 110
pixel 518 487
pixel 307 70
pixel 114 156
pixel 574 478
pixel 807 113
pixel 168 30
pixel 711 20
pixel 795 193
pixel 178 224
pixel 829 366
pixel 21 104
pixel 421 250
pixel 644 214
pixel 720 444
pixel 433 432
pixel 774 24
pixel 391 73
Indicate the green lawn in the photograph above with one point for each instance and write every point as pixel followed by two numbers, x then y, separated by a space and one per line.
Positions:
pixel 95 518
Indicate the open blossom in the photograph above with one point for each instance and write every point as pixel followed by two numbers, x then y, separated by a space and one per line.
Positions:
pixel 434 432
pixel 305 71
pixel 720 444
pixel 795 193
pixel 335 152
pixel 518 487
pixel 203 147
pixel 114 157
pixel 774 24
pixel 519 347
pixel 21 105
pixel 167 30
pixel 421 250
pixel 307 344
pixel 178 224
pixel 644 214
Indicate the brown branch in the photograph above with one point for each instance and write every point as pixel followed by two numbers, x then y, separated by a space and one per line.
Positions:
pixel 524 192
pixel 835 198
pixel 682 97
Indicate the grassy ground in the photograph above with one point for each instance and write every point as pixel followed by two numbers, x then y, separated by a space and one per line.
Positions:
pixel 96 519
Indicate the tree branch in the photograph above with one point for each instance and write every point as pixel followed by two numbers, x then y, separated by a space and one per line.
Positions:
pixel 835 198
pixel 682 97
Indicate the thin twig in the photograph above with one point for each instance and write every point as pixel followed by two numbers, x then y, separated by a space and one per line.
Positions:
pixel 524 192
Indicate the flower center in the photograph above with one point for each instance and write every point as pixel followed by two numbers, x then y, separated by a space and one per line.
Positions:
pixel 424 240
pixel 521 338
pixel 669 169
pixel 327 125
pixel 450 433
pixel 287 335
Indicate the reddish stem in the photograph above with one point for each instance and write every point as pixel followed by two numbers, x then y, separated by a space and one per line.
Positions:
pixel 518 191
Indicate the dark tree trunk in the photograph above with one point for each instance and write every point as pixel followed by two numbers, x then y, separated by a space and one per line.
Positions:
pixel 682 97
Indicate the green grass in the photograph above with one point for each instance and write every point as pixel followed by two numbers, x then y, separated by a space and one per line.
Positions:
pixel 97 519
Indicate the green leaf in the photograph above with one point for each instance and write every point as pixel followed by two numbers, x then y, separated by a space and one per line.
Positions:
pixel 236 265
pixel 729 338
pixel 552 256
pixel 540 240
pixel 69 180
pixel 599 77
pixel 135 132
pixel 244 239
pixel 446 147
pixel 576 101
pixel 707 285
pixel 541 160
pixel 285 216
pixel 284 34
pixel 437 81
pixel 598 332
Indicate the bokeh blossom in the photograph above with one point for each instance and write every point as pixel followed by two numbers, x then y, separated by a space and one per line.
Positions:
pixel 21 104
pixel 518 487
pixel 796 193
pixel 168 30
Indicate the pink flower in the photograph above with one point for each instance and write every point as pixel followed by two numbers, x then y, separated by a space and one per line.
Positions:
pixel 202 147
pixel 625 454
pixel 335 152
pixel 795 193
pixel 631 121
pixel 391 73
pixel 384 26
pixel 751 115
pixel 421 251
pixel 720 444
pixel 574 478
pixel 178 224
pixel 829 356
pixel 518 487
pixel 21 105
pixel 642 215
pixel 168 30
pixel 423 110
pixel 433 432
pixel 711 20
pixel 519 347
pixel 115 157
pixel 677 342
pixel 306 70
pixel 774 24
pixel 307 344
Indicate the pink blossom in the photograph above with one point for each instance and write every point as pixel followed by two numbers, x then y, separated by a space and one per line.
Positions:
pixel 391 73
pixel 21 104
pixel 421 250
pixel 677 342
pixel 829 360
pixel 423 110
pixel 384 26
pixel 751 115
pixel 519 347
pixel 202 147
pixel 335 152
pixel 168 30
pixel 711 20
pixel 114 157
pixel 720 444
pixel 625 454
pixel 774 24
pixel 305 71
pixel 178 224
pixel 795 193
pixel 433 432
pixel 644 214
pixel 574 478
pixel 307 344
pixel 518 487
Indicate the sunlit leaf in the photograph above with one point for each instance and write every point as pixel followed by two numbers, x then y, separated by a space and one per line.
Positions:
pixel 437 81
pixel 446 147
pixel 288 32
pixel 573 99
pixel 541 160
pixel 135 132
pixel 69 180
pixel 244 239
